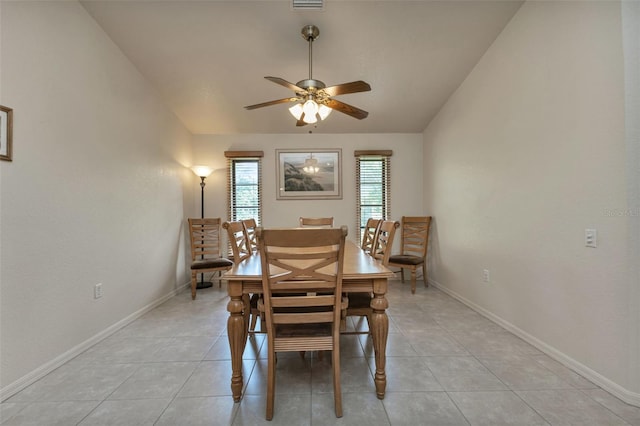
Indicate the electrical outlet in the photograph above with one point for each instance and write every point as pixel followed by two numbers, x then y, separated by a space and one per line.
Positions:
pixel 97 291
pixel 591 238
pixel 486 276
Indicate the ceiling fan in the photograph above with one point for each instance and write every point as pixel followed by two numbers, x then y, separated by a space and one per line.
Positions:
pixel 314 96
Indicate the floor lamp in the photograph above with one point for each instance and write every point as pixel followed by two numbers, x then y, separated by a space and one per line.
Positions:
pixel 202 172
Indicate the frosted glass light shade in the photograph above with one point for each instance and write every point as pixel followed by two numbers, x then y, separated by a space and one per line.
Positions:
pixel 296 111
pixel 310 108
pixel 323 111
pixel 202 171
pixel 310 119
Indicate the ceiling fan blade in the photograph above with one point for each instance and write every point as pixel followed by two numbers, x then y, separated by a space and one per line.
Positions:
pixel 286 84
pixel 301 122
pixel 276 102
pixel 347 109
pixel 352 87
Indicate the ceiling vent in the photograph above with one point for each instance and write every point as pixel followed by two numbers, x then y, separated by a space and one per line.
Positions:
pixel 307 4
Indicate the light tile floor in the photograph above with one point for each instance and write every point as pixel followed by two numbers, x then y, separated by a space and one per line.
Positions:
pixel 446 365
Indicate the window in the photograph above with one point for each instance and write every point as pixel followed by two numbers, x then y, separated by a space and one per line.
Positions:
pixel 244 187
pixel 373 185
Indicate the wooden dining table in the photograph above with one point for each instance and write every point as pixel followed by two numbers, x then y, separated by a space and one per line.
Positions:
pixel 361 274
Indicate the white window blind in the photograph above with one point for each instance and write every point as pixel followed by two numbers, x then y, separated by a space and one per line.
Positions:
pixel 244 185
pixel 373 186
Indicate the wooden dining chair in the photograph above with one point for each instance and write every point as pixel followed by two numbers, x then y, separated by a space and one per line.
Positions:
pixel 413 248
pixel 241 249
pixel 360 303
pixel 302 293
pixel 250 231
pixel 316 222
pixel 237 237
pixel 369 234
pixel 206 255
pixel 250 236
pixel 383 243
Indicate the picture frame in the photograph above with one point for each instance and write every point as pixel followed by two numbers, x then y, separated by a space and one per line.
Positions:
pixel 309 174
pixel 6 133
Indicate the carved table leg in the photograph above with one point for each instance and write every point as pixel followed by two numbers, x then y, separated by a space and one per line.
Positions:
pixel 379 333
pixel 236 330
pixel 246 299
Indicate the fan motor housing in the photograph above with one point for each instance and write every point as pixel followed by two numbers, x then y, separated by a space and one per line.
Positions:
pixel 310 32
pixel 311 84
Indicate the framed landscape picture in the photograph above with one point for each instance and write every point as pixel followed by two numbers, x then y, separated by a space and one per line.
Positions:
pixel 6 129
pixel 309 174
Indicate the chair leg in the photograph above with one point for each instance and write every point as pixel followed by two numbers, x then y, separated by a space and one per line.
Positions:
pixel 413 280
pixel 424 274
pixel 337 392
pixel 246 310
pixel 254 311
pixel 254 321
pixel 402 274
pixel 271 383
pixel 194 283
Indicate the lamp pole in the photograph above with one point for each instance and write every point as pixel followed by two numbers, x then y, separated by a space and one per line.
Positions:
pixel 202 184
pixel 202 172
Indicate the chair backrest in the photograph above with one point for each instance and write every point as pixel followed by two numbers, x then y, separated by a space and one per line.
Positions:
pixel 237 240
pixel 250 231
pixel 369 234
pixel 316 221
pixel 415 235
pixel 304 267
pixel 384 241
pixel 205 238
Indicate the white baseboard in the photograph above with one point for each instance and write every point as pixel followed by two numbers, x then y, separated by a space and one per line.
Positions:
pixel 595 377
pixel 48 367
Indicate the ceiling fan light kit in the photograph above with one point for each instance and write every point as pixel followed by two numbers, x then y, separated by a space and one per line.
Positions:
pixel 313 97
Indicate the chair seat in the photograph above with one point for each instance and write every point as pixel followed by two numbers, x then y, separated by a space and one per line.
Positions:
pixel 220 262
pixel 405 259
pixel 303 330
pixel 359 300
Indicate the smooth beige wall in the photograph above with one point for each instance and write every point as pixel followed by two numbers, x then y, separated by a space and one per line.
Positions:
pixel 631 48
pixel 96 193
pixel 526 155
pixel 406 174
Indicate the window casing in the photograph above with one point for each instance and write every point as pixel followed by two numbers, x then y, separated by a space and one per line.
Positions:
pixel 373 186
pixel 244 185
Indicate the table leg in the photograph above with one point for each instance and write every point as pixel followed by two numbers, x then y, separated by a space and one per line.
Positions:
pixel 379 333
pixel 236 330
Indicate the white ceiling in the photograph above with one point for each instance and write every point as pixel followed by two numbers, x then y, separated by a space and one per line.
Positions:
pixel 207 59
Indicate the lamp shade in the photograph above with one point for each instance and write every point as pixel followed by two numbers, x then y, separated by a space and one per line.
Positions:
pixel 202 171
